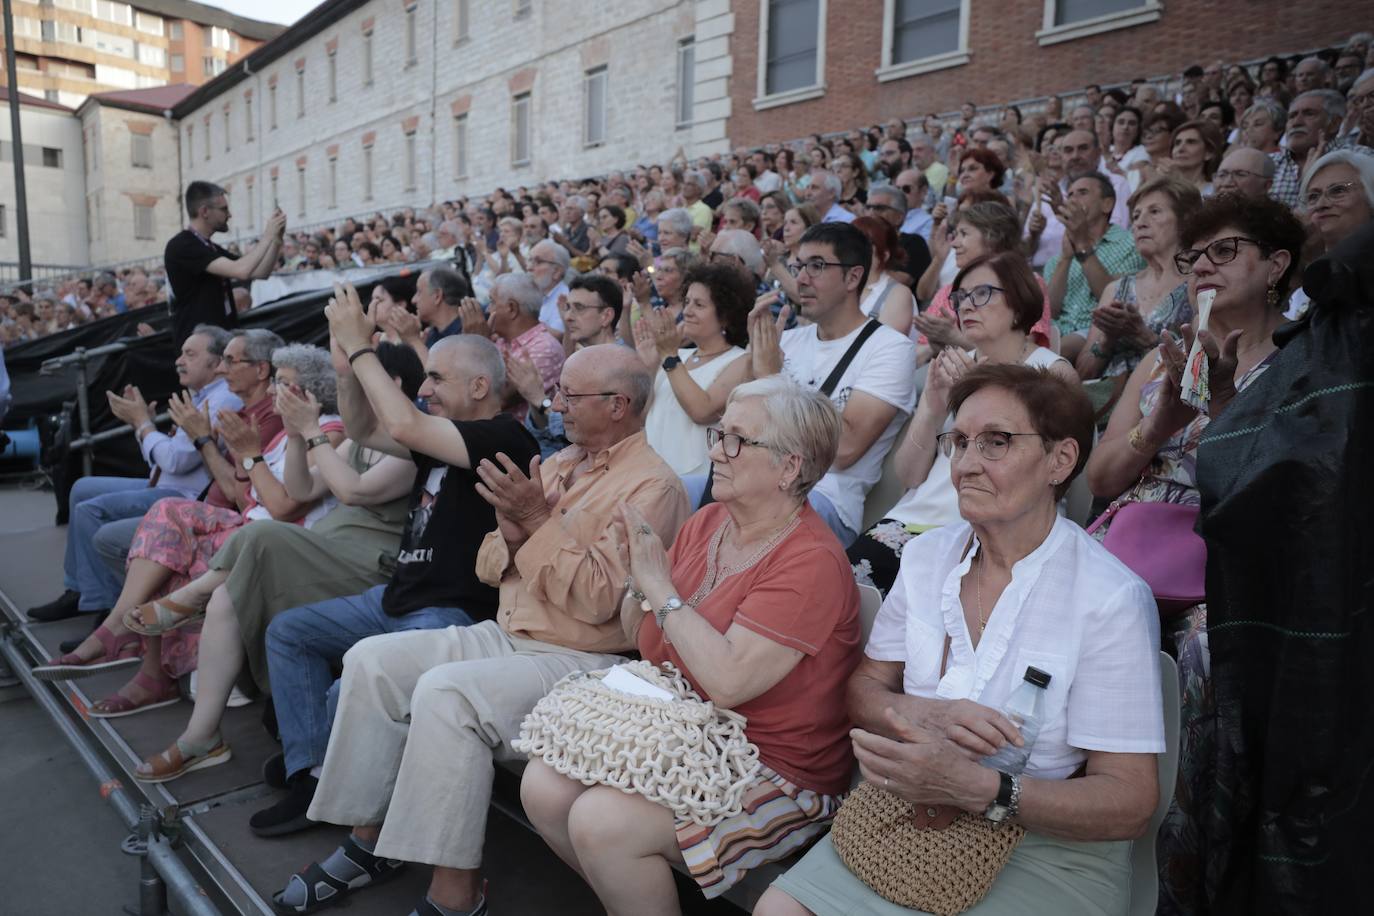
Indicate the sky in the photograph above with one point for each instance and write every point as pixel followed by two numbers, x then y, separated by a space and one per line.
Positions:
pixel 284 11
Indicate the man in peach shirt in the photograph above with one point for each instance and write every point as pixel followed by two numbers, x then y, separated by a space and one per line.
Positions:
pixel 422 715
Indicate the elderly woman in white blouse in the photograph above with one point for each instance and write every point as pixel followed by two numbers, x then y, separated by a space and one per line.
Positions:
pixel 977 603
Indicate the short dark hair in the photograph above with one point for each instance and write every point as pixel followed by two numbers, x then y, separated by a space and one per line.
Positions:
pixel 604 288
pixel 1024 295
pixel 1058 407
pixel 731 293
pixel 1104 183
pixel 400 287
pixel 1194 72
pixel 852 248
pixel 988 160
pixel 1092 86
pixel 200 193
pixel 1263 219
pixel 625 265
pixel 450 284
pixel 401 362
pixel 617 212
pixel 996 221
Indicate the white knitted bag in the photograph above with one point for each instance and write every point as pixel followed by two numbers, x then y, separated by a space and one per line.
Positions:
pixel 684 754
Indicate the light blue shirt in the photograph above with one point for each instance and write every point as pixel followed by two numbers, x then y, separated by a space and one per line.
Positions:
pixel 918 222
pixel 548 312
pixel 837 214
pixel 176 455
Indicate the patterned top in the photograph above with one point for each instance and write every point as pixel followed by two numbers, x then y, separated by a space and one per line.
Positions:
pixel 1116 253
pixel 540 347
pixel 1287 178
pixel 1171 312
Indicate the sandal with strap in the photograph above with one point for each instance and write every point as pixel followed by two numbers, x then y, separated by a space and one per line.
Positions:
pixel 167 615
pixel 426 908
pixel 163 693
pixel 116 652
pixel 182 758
pixel 323 889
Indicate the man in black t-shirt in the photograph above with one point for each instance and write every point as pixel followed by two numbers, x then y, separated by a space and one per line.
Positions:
pixel 435 583
pixel 200 272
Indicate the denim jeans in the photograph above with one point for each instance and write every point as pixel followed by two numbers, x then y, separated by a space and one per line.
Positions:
pixel 305 644
pixel 94 502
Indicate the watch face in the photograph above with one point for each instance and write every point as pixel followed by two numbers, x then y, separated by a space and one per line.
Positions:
pixel 248 464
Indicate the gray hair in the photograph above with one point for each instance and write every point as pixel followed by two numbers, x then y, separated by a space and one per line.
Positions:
pixel 511 222
pixel 314 372
pixel 1361 163
pixel 1332 101
pixel 578 201
pixel 682 257
pixel 1278 115
pixel 635 381
pixel 830 180
pixel 677 219
pixel 216 338
pixel 1359 37
pixel 522 289
pixel 480 356
pixel 453 289
pixel 748 210
pixel 742 244
pixel 1323 66
pixel 896 198
pixel 451 226
pixel 697 177
pixel 797 421
pixel 919 136
pixel 258 344
pixel 1364 75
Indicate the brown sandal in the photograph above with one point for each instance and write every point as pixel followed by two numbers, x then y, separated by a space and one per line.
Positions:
pixel 167 615
pixel 175 762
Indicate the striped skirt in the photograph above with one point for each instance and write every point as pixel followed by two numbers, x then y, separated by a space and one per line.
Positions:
pixel 778 818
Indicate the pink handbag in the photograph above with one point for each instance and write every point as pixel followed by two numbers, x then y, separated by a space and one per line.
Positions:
pixel 1157 541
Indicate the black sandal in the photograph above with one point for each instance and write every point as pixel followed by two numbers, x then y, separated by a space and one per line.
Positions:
pixel 323 889
pixel 425 908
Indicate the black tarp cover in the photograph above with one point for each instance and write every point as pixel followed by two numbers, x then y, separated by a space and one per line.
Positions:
pixel 1288 516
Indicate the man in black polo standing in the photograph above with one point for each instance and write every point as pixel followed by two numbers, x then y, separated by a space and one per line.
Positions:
pixel 200 272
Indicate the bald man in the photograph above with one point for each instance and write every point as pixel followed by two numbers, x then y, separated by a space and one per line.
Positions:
pixel 422 715
pixel 1244 171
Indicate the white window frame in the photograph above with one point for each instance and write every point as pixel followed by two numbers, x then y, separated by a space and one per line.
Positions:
pixel 145 22
pixel 462 20
pixel 367 58
pixel 684 103
pixel 300 93
pixel 410 47
pixel 300 191
pixel 762 100
pixel 176 63
pixel 367 173
pixel 410 162
pixel 271 106
pixel 527 98
pixel 135 160
pixel 151 215
pixel 1050 34
pixel 332 75
pixel 460 145
pixel 333 182
pixel 175 31
pixel 589 79
pixel 895 71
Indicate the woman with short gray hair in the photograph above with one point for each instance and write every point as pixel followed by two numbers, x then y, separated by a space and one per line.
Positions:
pixel 1263 124
pixel 756 610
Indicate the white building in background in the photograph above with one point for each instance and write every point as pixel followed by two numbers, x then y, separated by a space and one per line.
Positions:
pixel 370 105
pixel 54 183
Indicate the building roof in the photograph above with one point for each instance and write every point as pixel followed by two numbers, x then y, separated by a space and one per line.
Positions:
pixel 33 101
pixel 154 100
pixel 306 28
pixel 211 15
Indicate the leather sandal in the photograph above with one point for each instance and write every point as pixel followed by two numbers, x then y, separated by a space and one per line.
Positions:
pixel 116 652
pixel 166 614
pixel 163 693
pixel 182 758
pixel 323 889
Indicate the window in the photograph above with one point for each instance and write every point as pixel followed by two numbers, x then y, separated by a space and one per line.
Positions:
pixel 300 190
pixel 461 9
pixel 1069 11
pixel 226 130
pixel 147 22
pixel 460 146
pixel 52 158
pixel 175 33
pixel 791 46
pixel 523 8
pixel 410 35
pixel 594 107
pixel 923 35
pixel 67 32
pixel 686 80
pixel 110 44
pixel 143 222
pixel 152 55
pixel 1069 19
pixel 333 183
pixel 248 116
pixel 271 106
pixel 45 30
pixel 367 58
pixel 141 151
pixel 233 42
pixel 410 164
pixel 178 63
pixel 4 222
pixel 50 95
pixel 300 93
pixel 217 37
pixel 520 129
pixel 120 13
pixel 367 173
pixel 332 74
pixel 275 205
pixel 80 6
pixel 214 66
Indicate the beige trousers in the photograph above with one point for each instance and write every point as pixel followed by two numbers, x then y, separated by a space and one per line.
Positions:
pixel 422 715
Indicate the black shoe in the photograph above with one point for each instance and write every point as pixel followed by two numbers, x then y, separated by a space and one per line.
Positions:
pixel 60 609
pixel 274 771
pixel 288 815
pixel 69 645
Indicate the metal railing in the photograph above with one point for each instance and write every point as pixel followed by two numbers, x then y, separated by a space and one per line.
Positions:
pixel 81 357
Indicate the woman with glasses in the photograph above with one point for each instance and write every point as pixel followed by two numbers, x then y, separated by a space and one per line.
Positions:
pixel 1337 195
pixel 1006 586
pixel 1133 310
pixel 696 362
pixel 998 301
pixel 1246 251
pixel 755 607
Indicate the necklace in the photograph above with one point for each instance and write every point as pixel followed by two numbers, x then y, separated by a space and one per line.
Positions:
pixel 978 590
pixel 717 572
pixel 699 357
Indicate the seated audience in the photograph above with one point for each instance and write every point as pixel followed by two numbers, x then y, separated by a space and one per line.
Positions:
pixel 440 294
pixel 824 194
pixel 674 229
pixel 777 255
pixel 773 208
pixel 998 302
pixel 548 266
pixel 943 260
pixel 1244 171
pixel 591 313
pixel 883 296
pixel 388 294
pixel 420 712
pixel 1195 151
pixel 1263 125
pixel 1313 120
pixel 741 213
pixel 767 626
pixel 926 694
pixel 512 323
pixel 1337 195
pixel 889 204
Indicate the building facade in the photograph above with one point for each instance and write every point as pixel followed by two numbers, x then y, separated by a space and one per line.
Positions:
pixel 54 183
pixel 66 50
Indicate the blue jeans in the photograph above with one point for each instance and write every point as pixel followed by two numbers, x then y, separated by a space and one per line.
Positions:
pixel 305 644
pixel 94 502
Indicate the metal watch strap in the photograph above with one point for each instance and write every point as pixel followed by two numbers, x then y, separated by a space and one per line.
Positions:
pixel 313 441
pixel 673 603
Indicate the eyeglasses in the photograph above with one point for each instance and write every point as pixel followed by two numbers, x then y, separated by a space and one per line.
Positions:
pixel 907 188
pixel 1337 193
pixel 724 257
pixel 992 444
pixel 1237 174
pixel 1222 251
pixel 813 267
pixel 730 443
pixel 231 361
pixel 543 261
pixel 568 397
pixel 580 308
pixel 884 207
pixel 977 297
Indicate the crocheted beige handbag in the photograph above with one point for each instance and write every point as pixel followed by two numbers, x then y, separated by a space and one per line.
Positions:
pixel 684 753
pixel 937 859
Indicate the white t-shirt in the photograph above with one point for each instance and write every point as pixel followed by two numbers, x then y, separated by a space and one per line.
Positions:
pixel 670 431
pixel 1072 610
pixel 884 368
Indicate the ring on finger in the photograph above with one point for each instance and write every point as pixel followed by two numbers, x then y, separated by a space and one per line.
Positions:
pixel 645 529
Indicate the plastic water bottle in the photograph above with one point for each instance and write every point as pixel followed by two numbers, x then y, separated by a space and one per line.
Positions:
pixel 1026 710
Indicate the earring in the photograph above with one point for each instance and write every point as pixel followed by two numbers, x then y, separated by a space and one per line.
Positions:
pixel 1054 483
pixel 1272 297
pixel 782 485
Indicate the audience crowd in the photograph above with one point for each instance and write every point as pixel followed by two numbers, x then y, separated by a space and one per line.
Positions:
pixel 650 412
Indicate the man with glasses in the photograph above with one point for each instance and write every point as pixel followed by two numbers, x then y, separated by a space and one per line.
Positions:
pixel 421 716
pixel 548 265
pixel 200 271
pixel 888 203
pixel 1244 171
pixel 591 312
pixel 876 389
pixel 894 157
pixel 915 186
pixel 512 323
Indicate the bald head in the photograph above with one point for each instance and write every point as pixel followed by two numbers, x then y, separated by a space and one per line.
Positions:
pixel 914 179
pixel 618 369
pixel 1244 171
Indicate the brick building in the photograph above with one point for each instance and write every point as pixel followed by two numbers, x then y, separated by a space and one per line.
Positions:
pixel 67 49
pixel 838 64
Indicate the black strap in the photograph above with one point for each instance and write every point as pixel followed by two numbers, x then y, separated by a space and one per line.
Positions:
pixel 828 386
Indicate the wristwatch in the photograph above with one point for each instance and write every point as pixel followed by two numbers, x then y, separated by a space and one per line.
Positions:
pixel 1081 256
pixel 1008 800
pixel 671 363
pixel 672 604
pixel 546 405
pixel 249 462
pixel 200 441
pixel 313 441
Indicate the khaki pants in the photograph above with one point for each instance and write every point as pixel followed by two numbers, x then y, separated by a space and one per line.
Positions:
pixel 421 716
